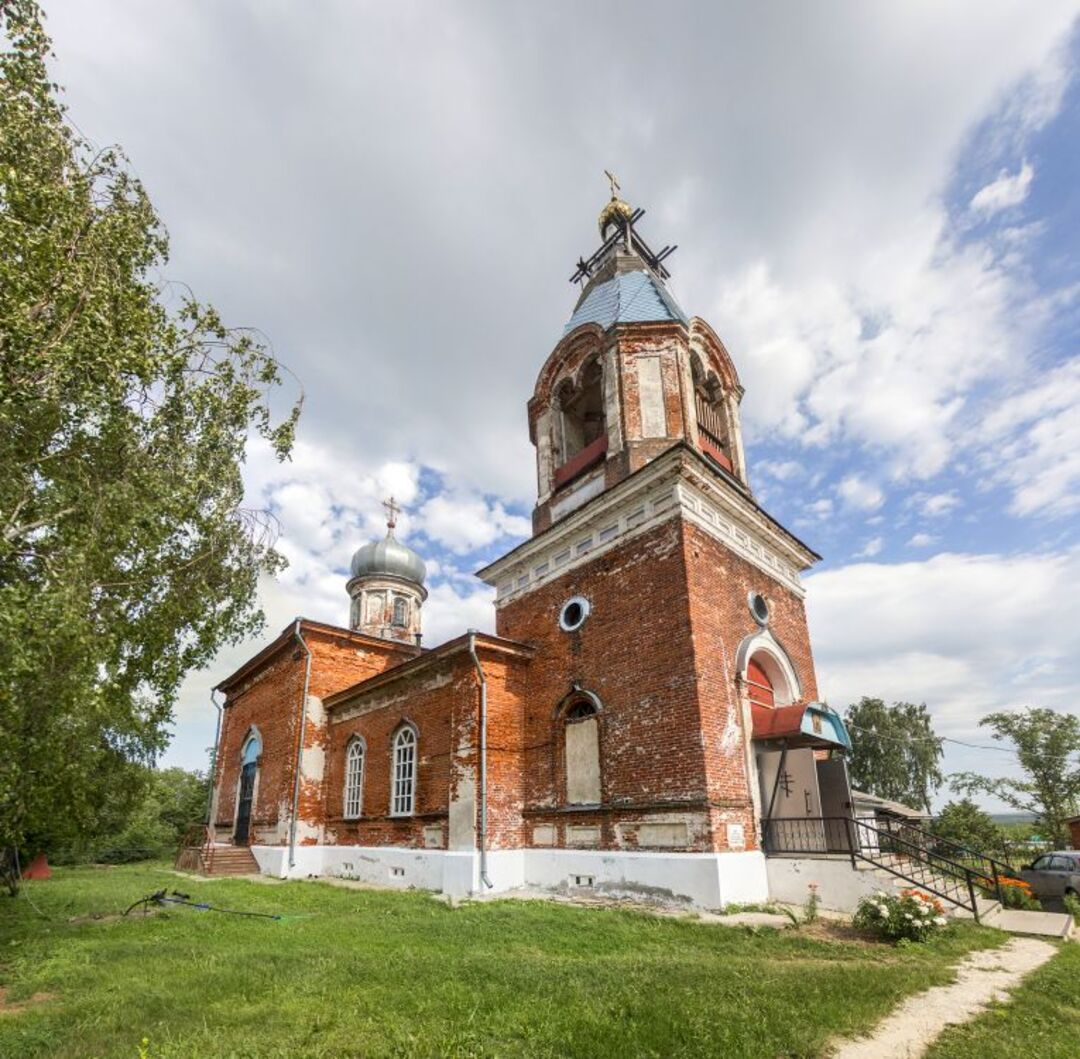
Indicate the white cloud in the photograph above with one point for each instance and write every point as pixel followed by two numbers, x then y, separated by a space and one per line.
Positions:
pixel 938 503
pixel 464 523
pixel 1007 190
pixel 781 470
pixel 1031 443
pixel 921 540
pixel 818 245
pixel 859 494
pixel 871 548
pixel 956 631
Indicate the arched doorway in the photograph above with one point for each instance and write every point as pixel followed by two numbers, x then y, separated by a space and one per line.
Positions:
pixel 249 767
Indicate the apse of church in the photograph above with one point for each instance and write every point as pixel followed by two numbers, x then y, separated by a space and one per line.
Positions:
pixel 651 649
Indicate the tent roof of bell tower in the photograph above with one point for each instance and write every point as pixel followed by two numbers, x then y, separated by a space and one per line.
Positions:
pixel 628 297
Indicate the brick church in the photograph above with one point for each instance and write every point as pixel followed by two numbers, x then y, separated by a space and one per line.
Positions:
pixel 649 696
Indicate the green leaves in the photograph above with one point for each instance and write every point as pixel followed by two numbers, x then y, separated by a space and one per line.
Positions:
pixel 895 753
pixel 126 558
pixel 1045 743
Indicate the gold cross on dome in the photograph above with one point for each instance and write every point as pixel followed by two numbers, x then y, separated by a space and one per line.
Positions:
pixel 392 512
pixel 613 180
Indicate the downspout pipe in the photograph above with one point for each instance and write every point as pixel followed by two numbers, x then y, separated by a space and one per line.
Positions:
pixel 482 829
pixel 300 742
pixel 215 767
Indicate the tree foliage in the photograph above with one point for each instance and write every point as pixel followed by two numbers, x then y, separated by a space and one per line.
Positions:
pixel 895 753
pixel 964 822
pixel 1047 745
pixel 126 555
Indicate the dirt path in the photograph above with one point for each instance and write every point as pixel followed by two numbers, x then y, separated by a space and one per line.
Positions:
pixel 982 977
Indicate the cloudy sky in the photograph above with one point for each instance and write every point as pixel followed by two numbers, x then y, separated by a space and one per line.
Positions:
pixel 876 206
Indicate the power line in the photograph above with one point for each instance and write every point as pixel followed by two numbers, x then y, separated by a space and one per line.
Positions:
pixel 910 740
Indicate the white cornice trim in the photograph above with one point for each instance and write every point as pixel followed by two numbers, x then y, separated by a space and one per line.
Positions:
pixel 670 487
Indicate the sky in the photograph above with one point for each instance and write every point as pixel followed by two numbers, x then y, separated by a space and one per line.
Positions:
pixel 876 207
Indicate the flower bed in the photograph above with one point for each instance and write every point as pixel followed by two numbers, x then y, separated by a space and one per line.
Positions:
pixel 911 916
pixel 1015 893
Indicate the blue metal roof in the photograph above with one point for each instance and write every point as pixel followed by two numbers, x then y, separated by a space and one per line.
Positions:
pixel 630 297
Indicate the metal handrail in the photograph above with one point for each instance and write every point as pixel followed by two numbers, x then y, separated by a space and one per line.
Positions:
pixel 998 867
pixel 853 830
pixel 205 843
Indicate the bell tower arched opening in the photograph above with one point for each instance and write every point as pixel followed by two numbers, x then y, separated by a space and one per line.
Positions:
pixel 581 411
pixel 714 429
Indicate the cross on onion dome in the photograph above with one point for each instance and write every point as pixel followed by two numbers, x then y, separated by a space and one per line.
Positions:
pixel 392 512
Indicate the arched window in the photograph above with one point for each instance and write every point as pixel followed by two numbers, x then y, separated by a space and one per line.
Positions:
pixel 713 432
pixel 252 750
pixel 354 779
pixel 582 753
pixel 401 612
pixel 404 787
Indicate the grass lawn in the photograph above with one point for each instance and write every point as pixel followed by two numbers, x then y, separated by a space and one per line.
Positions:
pixel 373 973
pixel 1040 1021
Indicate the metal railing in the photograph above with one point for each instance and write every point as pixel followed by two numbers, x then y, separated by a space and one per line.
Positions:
pixel 198 839
pixel 953 872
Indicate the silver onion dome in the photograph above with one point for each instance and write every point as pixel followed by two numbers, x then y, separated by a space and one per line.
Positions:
pixel 388 557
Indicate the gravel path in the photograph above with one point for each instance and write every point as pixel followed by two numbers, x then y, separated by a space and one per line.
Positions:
pixel 984 976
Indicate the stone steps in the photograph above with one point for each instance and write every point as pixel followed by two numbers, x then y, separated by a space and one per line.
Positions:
pixel 219 860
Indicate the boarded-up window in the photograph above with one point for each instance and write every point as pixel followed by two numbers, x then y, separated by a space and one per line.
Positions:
pixel 759 684
pixel 582 756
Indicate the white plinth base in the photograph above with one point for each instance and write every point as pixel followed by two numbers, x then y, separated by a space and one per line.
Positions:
pixel 701 880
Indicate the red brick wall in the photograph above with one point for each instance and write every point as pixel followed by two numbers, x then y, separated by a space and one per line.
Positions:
pixel 443 703
pixel 669 612
pixel 719 583
pixel 269 699
pixel 635 653
pixel 433 701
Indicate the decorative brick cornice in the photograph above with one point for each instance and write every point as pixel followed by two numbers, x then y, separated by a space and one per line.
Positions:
pixel 677 484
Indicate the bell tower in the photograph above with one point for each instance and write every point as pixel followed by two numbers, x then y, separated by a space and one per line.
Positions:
pixel 656 590
pixel 631 377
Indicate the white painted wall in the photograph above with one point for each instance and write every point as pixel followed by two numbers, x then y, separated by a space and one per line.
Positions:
pixel 840 887
pixel 703 880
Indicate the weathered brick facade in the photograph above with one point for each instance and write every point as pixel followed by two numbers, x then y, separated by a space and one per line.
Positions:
pixel 612 711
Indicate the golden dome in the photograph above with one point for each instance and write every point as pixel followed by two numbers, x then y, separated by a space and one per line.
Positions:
pixel 615 210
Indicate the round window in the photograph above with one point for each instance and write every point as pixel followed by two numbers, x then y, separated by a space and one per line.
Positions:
pixel 573 614
pixel 759 608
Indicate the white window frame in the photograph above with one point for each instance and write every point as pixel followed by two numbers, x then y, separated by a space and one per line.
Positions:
pixel 401 607
pixel 403 779
pixel 353 795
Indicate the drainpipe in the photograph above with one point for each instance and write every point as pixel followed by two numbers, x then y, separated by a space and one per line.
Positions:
pixel 483 761
pixel 300 743
pixel 214 767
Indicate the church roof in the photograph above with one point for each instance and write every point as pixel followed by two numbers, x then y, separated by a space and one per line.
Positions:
pixel 629 297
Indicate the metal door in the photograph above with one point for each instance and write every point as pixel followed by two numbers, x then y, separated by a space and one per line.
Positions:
pixel 243 809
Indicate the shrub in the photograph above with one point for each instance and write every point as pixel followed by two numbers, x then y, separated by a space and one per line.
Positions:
pixel 813 902
pixel 913 916
pixel 1015 893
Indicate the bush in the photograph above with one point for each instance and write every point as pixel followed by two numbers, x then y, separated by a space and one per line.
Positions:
pixel 913 916
pixel 1015 893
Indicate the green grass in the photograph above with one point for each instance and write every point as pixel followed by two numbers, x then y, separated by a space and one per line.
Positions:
pixel 1041 1020
pixel 373 973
